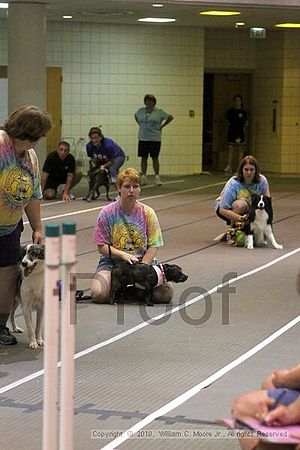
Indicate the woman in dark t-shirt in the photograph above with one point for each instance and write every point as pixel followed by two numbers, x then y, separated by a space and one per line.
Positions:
pixel 237 118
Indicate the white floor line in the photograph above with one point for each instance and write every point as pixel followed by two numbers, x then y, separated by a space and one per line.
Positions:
pixel 164 183
pixel 57 202
pixel 97 208
pixel 154 319
pixel 196 389
pixel 51 203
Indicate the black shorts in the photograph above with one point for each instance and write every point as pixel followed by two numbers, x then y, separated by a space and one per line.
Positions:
pixel 149 147
pixel 53 183
pixel 10 247
pixel 231 139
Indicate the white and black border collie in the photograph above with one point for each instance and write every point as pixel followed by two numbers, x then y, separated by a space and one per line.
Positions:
pixel 258 229
pixel 30 292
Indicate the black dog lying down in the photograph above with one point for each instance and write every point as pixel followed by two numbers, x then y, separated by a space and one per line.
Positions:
pixel 97 178
pixel 126 274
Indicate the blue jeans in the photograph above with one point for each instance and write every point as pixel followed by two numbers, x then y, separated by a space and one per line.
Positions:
pixel 283 396
pixel 114 168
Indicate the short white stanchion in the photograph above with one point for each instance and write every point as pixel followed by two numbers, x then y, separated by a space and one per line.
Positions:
pixel 52 255
pixel 68 318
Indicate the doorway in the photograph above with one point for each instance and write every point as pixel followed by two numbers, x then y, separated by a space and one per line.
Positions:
pixel 219 89
pixel 53 103
pixel 53 106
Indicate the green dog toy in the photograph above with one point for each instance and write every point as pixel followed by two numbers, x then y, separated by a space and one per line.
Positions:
pixel 240 238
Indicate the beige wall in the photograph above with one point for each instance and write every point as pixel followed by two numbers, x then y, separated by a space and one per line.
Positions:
pixel 290 142
pixel 275 62
pixel 232 50
pixel 268 96
pixel 107 69
pixel 278 88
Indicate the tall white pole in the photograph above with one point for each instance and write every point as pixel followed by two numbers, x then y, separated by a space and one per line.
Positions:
pixel 52 255
pixel 68 319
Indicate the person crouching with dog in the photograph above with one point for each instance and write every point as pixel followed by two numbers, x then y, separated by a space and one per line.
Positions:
pixel 111 155
pixel 126 230
pixel 20 190
pixel 232 205
pixel 59 168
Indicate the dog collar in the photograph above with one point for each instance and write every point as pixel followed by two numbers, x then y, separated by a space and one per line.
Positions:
pixel 160 274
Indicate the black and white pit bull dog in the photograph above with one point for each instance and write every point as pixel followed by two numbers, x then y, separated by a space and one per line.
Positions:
pixel 126 274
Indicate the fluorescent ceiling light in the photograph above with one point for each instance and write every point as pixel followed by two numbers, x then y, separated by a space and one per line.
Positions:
pixel 4 5
pixel 288 25
pixel 239 24
pixel 157 5
pixel 67 17
pixel 156 19
pixel 219 13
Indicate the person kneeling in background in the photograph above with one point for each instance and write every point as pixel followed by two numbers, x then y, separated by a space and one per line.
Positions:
pixel 59 168
pixel 111 155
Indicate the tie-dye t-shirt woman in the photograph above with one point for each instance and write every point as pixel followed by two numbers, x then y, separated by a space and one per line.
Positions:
pixel 133 233
pixel 19 183
pixel 237 190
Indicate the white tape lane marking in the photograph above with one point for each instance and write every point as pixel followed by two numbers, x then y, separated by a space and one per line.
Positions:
pixel 196 389
pixel 154 319
pixel 165 182
pixel 51 203
pixel 111 192
pixel 74 213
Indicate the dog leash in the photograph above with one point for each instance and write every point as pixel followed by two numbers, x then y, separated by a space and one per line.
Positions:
pixel 79 293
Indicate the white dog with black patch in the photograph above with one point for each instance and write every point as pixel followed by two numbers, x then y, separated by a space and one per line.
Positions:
pixel 30 292
pixel 258 229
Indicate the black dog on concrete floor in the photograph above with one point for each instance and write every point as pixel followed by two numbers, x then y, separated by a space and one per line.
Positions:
pixel 97 178
pixel 126 274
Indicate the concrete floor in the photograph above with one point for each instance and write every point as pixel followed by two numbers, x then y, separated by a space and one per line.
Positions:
pixel 170 378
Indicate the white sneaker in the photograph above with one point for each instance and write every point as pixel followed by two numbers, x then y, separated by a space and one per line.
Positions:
pixel 144 180
pixel 157 180
pixel 72 196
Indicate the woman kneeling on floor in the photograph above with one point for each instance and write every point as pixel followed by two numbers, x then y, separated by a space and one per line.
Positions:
pixel 126 230
pixel 234 199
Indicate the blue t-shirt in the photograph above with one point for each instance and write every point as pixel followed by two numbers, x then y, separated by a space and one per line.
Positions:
pixel 236 190
pixel 107 151
pixel 150 123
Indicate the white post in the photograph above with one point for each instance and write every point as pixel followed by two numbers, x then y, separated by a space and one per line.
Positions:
pixel 52 254
pixel 68 318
